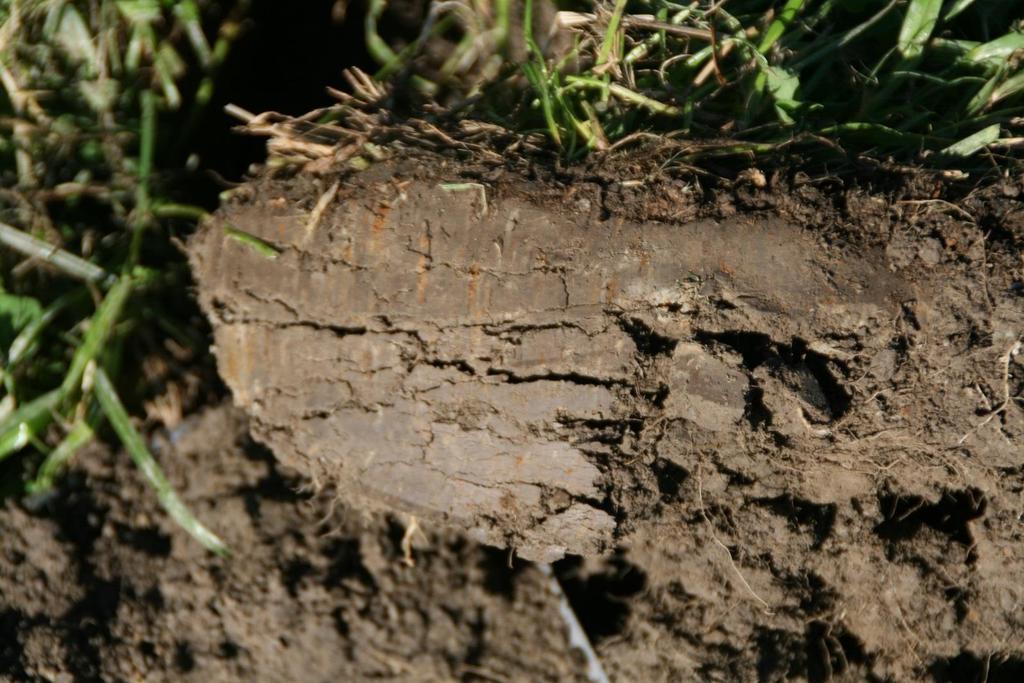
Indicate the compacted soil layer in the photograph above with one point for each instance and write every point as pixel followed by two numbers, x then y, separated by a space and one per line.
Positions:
pixel 776 432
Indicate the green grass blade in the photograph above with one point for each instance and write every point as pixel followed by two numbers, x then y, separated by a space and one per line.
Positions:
pixel 21 426
pixel 999 50
pixel 502 21
pixel 100 328
pixel 23 343
pixel 973 143
pixel 80 434
pixel 779 26
pixel 540 86
pixel 531 43
pixel 147 144
pixel 610 34
pixel 136 447
pixel 873 134
pixel 1008 88
pixel 537 75
pixel 859 30
pixel 918 24
pixel 624 93
pixel 62 260
pixel 186 211
pixel 956 8
pixel 261 247
pixel 983 96
pixel 375 45
pixel 188 14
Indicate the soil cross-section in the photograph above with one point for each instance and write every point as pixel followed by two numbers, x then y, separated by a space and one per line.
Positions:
pixel 497 364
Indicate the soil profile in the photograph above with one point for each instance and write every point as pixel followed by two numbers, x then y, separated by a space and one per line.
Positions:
pixel 775 430
pixel 809 413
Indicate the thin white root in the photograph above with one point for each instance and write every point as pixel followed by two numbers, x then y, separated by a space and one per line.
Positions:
pixel 997 410
pixel 728 553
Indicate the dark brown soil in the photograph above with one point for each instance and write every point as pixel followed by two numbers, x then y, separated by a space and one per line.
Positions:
pixel 782 423
pixel 98 586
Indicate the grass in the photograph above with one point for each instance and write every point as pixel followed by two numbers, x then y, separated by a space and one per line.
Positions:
pixel 923 82
pixel 89 260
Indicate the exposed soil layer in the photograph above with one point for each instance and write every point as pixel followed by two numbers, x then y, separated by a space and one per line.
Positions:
pixel 787 436
pixel 99 586
pixel 798 414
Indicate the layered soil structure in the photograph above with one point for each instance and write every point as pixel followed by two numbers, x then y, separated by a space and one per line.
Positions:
pixel 805 410
pixel 776 430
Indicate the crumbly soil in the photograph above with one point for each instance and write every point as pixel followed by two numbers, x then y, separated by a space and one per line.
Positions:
pixel 777 429
pixel 97 585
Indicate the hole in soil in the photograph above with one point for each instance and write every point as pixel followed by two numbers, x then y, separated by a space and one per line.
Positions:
pixel 910 316
pixel 10 646
pixel 154 597
pixel 822 369
pixel 229 649
pixel 78 515
pixel 346 560
pixel 89 622
pixel 959 598
pixel 757 412
pixel 499 578
pixel 148 649
pixel 340 622
pixel 670 478
pixel 803 367
pixel 831 651
pixel 950 515
pixel 999 228
pixel 817 518
pixel 149 540
pixel 818 597
pixel 781 655
pixel 754 347
pixel 184 658
pixel 968 667
pixel 293 572
pixel 273 486
pixel 601 599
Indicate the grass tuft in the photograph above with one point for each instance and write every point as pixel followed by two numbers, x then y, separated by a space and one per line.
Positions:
pixel 86 235
pixel 925 82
